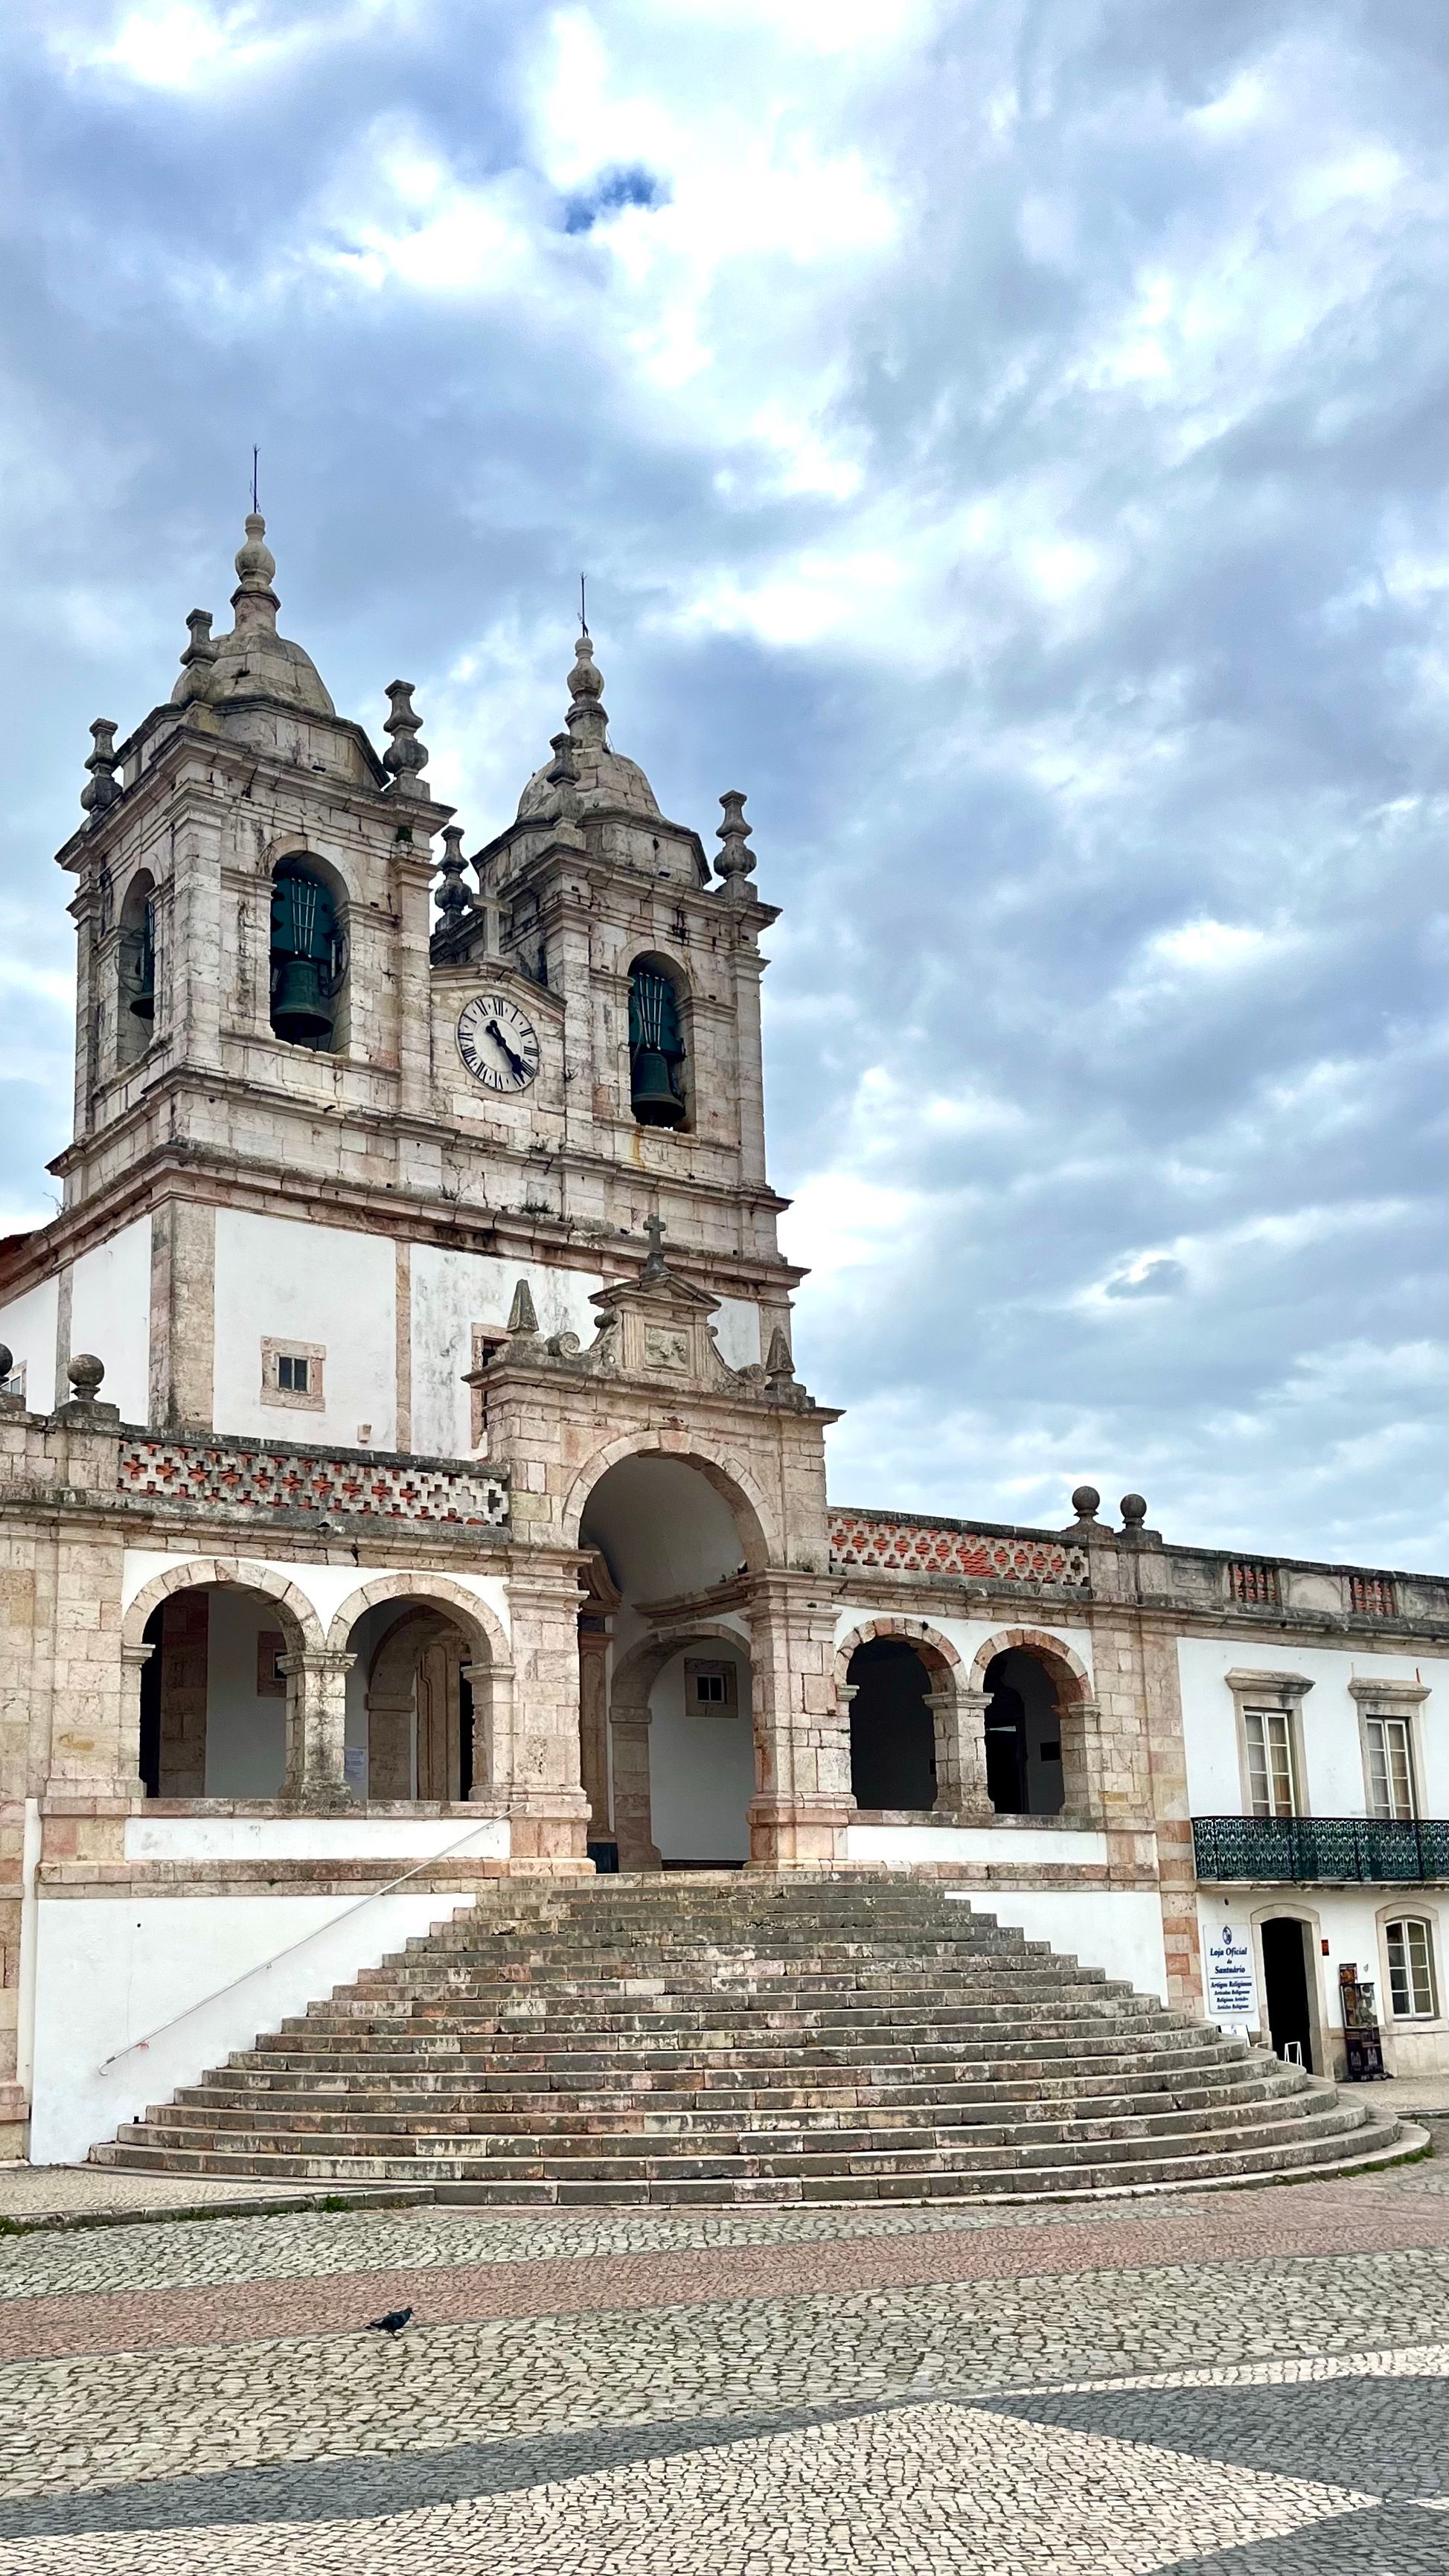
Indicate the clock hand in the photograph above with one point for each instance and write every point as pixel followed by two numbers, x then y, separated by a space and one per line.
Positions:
pixel 519 1067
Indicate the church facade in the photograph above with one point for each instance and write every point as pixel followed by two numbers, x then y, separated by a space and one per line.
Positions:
pixel 408 1482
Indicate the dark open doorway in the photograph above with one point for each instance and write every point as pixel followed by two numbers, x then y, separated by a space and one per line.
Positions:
pixel 892 1730
pixel 1285 1985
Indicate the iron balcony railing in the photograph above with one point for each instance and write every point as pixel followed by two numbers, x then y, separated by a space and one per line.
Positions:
pixel 1345 1848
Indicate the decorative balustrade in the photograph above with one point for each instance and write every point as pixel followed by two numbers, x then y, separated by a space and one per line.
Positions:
pixel 1260 1849
pixel 271 1477
pixel 888 1544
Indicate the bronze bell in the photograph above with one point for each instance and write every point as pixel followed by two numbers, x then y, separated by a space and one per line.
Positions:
pixel 301 1009
pixel 654 1100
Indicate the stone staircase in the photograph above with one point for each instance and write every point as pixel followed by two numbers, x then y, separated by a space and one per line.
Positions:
pixel 742 2039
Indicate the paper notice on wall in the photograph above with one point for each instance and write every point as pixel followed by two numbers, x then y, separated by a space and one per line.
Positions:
pixel 1232 1988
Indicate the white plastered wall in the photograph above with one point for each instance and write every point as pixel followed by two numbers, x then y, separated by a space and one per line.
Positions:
pixel 701 1768
pixel 28 1325
pixel 1118 1929
pixel 453 1291
pixel 282 1281
pixel 1331 1740
pixel 737 1332
pixel 110 1314
pixel 111 1971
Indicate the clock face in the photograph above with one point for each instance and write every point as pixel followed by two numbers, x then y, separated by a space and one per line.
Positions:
pixel 497 1044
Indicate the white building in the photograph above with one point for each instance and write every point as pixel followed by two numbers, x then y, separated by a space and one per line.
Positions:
pixel 448 1505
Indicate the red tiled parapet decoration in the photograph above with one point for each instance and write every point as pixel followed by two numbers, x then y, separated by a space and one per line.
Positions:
pixel 266 1480
pixel 889 1544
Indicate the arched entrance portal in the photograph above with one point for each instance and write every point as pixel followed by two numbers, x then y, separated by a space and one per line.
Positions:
pixel 680 1772
pixel 892 1727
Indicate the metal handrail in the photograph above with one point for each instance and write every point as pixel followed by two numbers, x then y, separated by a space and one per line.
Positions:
pixel 263 1967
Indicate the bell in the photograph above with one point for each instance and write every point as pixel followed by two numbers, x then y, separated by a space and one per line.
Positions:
pixel 143 1003
pixel 654 1100
pixel 301 1011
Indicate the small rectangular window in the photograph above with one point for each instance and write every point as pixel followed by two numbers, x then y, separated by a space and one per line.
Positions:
pixel 1411 1970
pixel 292 1375
pixel 1271 1782
pixel 709 1688
pixel 1391 1767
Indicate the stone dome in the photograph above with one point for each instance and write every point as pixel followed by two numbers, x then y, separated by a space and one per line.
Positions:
pixel 605 779
pixel 253 660
pixel 599 776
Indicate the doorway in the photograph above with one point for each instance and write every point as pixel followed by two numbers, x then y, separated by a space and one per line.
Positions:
pixel 1285 1985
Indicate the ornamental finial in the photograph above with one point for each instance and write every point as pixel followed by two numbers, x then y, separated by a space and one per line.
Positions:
pixel 736 860
pixel 406 755
pixel 102 789
pixel 254 602
pixel 453 898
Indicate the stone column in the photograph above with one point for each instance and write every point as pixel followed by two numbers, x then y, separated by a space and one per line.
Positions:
pixel 593 1724
pixel 316 1728
pixel 633 1805
pixel 802 1800
pixel 962 1797
pixel 540 1779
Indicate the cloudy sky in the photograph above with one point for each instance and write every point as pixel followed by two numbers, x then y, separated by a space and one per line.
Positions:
pixel 1003 436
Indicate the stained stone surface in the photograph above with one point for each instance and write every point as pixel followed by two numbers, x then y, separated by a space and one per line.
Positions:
pixel 1251 2383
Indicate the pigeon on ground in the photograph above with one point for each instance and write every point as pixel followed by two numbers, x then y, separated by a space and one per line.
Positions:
pixel 391 2324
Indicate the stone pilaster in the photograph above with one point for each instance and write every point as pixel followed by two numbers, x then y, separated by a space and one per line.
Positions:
pixel 538 1776
pixel 316 1728
pixel 802 1800
pixel 593 1724
pixel 183 1314
pixel 633 1805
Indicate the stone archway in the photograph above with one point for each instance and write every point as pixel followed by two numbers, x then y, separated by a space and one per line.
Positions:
pixel 439 1689
pixel 631 1718
pixel 956 1711
pixel 731 1479
pixel 215 1653
pixel 1075 1708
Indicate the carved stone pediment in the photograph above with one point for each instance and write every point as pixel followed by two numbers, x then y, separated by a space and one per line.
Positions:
pixel 658 1326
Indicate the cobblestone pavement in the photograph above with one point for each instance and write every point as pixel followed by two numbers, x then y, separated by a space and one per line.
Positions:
pixel 1238 2384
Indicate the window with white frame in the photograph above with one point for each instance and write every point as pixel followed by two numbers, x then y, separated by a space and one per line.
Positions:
pixel 1272 1774
pixel 1389 1742
pixel 1410 1945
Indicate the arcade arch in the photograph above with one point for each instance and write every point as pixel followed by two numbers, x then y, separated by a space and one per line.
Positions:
pixel 1038 1707
pixel 682 1764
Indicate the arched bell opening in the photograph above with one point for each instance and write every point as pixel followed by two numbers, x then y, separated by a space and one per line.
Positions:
pixel 658 1047
pixel 213 1696
pixel 136 969
pixel 308 956
pixel 419 1720
pixel 1025 1773
pixel 892 1727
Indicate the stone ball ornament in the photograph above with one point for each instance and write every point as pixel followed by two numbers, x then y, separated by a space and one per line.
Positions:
pixel 1086 1501
pixel 85 1373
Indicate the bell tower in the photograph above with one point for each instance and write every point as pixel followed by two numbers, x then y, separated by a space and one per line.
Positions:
pixel 612 917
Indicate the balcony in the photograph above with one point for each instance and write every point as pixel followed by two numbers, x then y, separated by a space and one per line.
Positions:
pixel 1323 1850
